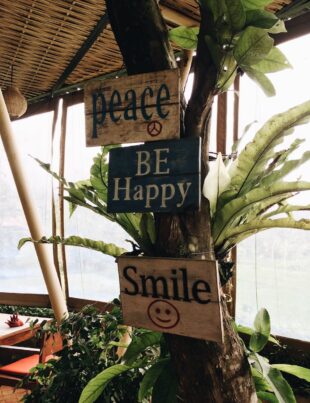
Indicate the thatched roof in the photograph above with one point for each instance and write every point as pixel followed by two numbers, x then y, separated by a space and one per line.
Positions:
pixel 57 44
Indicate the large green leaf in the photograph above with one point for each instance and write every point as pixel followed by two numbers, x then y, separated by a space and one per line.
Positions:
pixel 96 386
pixel 150 378
pixel 236 14
pixel 261 335
pixel 139 344
pixel 296 370
pixel 264 141
pixel 166 386
pixel 273 62
pixel 249 331
pixel 185 37
pixel 253 46
pixel 267 397
pixel 262 80
pixel 273 376
pixel 99 246
pixel 255 4
pixel 260 19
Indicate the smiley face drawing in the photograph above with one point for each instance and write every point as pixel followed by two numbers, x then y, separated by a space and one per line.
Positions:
pixel 163 314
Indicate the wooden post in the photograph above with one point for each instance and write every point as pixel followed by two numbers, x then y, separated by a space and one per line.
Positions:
pixel 49 273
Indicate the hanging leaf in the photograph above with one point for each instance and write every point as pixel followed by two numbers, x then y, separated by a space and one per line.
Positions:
pixel 228 73
pixel 274 129
pixel 273 62
pixel 236 14
pixel 96 386
pixel 185 37
pixel 166 386
pixel 260 19
pixel 215 182
pixel 99 246
pixel 267 397
pixel 261 335
pixel 278 28
pixel 273 376
pixel 253 46
pixel 255 4
pixel 296 370
pixel 139 344
pixel 150 378
pixel 263 81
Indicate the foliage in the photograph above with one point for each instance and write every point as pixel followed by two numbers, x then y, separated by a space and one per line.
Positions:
pixel 239 40
pixel 269 381
pixel 255 196
pixel 91 339
pixel 27 311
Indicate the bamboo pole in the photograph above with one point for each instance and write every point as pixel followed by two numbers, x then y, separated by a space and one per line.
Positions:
pixel 49 273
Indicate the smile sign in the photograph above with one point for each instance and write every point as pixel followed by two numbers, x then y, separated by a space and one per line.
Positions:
pixel 144 107
pixel 179 296
pixel 162 176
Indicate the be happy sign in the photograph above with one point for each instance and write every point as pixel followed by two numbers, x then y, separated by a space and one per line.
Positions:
pixel 139 108
pixel 179 296
pixel 159 177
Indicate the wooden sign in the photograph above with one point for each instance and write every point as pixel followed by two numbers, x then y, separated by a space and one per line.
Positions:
pixel 162 176
pixel 179 296
pixel 143 107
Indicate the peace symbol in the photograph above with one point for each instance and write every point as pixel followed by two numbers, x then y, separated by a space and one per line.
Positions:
pixel 154 128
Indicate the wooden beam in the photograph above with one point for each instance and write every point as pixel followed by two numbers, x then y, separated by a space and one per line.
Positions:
pixel 40 300
pixel 100 26
pixel 174 17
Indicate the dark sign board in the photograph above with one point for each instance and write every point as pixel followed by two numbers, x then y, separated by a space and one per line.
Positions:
pixel 160 177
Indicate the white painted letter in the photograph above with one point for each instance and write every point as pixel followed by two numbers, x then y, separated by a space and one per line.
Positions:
pixel 183 191
pixel 167 195
pixel 117 188
pixel 150 196
pixel 145 162
pixel 159 161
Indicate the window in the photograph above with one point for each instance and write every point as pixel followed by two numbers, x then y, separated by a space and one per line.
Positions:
pixel 20 270
pixel 273 266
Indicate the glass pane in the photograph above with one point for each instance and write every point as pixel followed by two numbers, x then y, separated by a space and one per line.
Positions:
pixel 92 275
pixel 20 270
pixel 273 267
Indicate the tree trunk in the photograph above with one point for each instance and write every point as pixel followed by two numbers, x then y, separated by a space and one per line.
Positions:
pixel 207 371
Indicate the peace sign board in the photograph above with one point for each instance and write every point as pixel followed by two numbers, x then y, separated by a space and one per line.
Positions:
pixel 179 296
pixel 159 177
pixel 143 107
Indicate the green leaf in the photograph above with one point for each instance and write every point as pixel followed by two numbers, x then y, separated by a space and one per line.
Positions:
pixel 236 14
pixel 255 4
pixel 253 46
pixel 260 19
pixel 278 28
pixel 273 62
pixel 249 331
pixel 279 385
pixel 166 386
pixel 150 377
pixel 99 246
pixel 96 386
pixel 296 370
pixel 139 344
pixel 267 397
pixel 185 37
pixel 247 164
pixel 228 73
pixel 147 227
pixel 263 81
pixel 261 335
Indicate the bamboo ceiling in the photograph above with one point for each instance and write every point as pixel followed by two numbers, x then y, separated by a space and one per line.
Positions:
pixel 60 43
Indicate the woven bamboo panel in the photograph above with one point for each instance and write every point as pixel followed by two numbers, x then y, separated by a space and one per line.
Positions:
pixel 39 38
